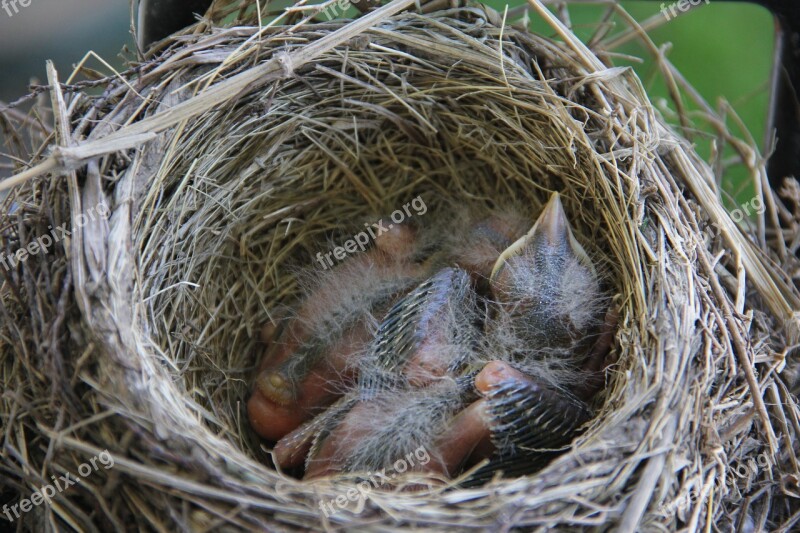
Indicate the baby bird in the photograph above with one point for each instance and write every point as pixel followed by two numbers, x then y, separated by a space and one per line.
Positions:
pixel 504 378
pixel 546 341
pixel 406 380
pixel 317 347
pixel 546 293
pixel 375 433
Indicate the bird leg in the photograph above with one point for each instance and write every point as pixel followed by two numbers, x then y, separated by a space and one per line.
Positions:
pixel 600 357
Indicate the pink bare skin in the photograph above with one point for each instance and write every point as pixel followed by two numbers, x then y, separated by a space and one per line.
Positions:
pixel 274 410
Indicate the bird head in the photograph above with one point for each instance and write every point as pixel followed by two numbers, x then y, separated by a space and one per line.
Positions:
pixel 549 243
pixel 546 291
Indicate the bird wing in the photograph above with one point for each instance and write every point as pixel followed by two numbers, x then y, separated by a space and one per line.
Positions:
pixel 326 422
pixel 410 320
pixel 531 417
pixel 530 424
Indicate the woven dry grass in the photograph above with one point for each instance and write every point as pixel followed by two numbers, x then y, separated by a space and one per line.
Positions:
pixel 232 157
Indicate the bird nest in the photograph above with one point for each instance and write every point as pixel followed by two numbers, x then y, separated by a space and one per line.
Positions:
pixel 182 204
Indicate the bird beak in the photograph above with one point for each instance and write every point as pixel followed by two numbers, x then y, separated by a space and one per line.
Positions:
pixel 552 225
pixel 550 231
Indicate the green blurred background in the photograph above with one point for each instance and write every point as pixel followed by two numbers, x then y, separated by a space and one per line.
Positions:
pixel 723 49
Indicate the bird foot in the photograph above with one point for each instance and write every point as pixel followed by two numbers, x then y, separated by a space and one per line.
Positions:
pixel 276 387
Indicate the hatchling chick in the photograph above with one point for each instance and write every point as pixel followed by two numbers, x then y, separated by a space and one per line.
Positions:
pixel 375 433
pixel 548 302
pixel 407 386
pixel 546 343
pixel 543 348
pixel 312 354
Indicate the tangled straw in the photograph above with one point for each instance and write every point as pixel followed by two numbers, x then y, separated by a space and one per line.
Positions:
pixel 224 170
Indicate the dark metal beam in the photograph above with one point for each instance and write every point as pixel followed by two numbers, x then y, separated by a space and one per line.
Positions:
pixel 159 18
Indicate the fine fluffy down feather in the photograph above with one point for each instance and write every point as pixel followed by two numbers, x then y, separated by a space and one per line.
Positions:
pixel 466 336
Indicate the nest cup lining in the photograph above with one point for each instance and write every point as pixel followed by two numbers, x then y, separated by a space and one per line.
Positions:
pixel 212 219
